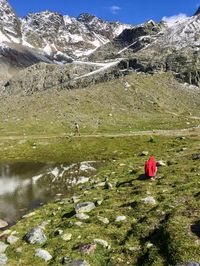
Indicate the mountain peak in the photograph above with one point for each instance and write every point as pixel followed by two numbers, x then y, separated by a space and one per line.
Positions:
pixel 197 12
pixel 85 17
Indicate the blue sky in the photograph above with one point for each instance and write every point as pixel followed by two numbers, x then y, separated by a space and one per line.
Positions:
pixel 129 11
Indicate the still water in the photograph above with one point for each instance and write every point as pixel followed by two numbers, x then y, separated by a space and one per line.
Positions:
pixel 25 186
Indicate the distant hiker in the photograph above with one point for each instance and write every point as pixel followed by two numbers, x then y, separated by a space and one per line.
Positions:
pixel 150 167
pixel 77 129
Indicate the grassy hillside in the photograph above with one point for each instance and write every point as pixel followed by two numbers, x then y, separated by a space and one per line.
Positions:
pixel 158 234
pixel 127 104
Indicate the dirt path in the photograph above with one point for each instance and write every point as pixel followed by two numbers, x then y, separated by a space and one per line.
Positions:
pixel 172 132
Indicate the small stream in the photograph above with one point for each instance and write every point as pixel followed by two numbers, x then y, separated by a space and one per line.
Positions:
pixel 26 186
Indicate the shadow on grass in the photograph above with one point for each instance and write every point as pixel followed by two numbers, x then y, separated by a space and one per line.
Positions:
pixel 195 228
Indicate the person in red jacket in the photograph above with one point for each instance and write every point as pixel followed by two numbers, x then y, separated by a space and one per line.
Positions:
pixel 150 167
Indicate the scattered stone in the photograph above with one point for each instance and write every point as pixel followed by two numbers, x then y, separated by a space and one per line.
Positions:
pixel 29 215
pixel 78 224
pixel 134 249
pixel 87 248
pixel 99 202
pixel 82 216
pixel 67 237
pixel 79 262
pixel 101 242
pixel 3 259
pixel 12 239
pixel 84 207
pixel 149 200
pixel 144 153
pixel 19 250
pixel 82 180
pixel 149 245
pixel 58 232
pixel 75 199
pixel 183 149
pixel 43 254
pixel 3 247
pixel 3 224
pixel 85 167
pixel 103 220
pixel 161 163
pixel 120 218
pixel 36 236
pixel 108 185
pixel 101 184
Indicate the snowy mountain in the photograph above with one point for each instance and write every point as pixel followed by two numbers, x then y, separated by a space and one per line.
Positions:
pixel 50 37
pixel 171 45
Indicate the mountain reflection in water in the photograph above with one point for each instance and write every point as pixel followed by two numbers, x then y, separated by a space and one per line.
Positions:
pixel 25 186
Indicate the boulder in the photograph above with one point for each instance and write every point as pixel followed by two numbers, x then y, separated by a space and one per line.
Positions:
pixel 101 242
pixel 103 220
pixel 84 207
pixel 120 218
pixel 43 254
pixel 149 200
pixel 161 163
pixel 35 236
pixel 144 153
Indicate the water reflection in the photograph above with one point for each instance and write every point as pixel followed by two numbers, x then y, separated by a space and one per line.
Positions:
pixel 25 186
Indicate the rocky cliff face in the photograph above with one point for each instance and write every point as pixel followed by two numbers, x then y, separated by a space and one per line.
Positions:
pixel 166 46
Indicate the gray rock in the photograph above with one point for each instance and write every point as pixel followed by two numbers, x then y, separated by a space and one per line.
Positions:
pixel 161 163
pixel 79 262
pixel 84 207
pixel 82 180
pixel 43 254
pixel 103 220
pixel 149 200
pixel 35 236
pixel 12 239
pixel 3 259
pixel 82 216
pixel 3 247
pixel 120 218
pixel 3 223
pixel 144 153
pixel 101 242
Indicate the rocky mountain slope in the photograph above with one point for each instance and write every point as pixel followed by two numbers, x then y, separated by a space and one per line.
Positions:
pixel 163 46
pixel 50 37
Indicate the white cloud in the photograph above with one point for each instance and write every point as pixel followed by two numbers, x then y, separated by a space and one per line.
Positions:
pixel 115 9
pixel 173 19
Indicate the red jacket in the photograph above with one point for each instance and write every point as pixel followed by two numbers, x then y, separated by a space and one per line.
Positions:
pixel 150 167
